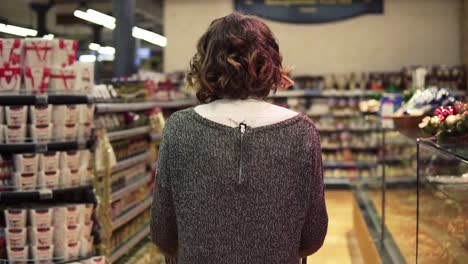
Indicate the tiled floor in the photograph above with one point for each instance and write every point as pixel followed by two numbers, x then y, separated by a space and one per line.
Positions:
pixel 340 245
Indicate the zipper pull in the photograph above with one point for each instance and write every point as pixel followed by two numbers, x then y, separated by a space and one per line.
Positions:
pixel 242 127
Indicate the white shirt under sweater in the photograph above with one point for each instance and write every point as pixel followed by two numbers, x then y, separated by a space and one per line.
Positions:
pixel 252 112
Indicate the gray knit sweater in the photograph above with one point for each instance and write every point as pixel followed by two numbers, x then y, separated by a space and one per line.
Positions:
pixel 238 195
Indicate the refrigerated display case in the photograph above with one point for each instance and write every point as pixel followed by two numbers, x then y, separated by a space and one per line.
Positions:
pixel 442 204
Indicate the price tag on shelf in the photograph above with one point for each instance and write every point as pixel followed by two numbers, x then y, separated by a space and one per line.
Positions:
pixel 41 147
pixel 81 144
pixel 42 99
pixel 45 194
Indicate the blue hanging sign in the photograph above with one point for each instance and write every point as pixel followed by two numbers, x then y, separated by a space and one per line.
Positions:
pixel 308 11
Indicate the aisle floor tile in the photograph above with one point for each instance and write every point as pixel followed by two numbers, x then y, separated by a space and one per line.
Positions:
pixel 340 246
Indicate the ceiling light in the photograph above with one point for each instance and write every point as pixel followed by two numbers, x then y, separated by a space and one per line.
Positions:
pixel 149 36
pixel 87 58
pixel 107 50
pixel 94 46
pixel 100 16
pixel 93 17
pixel 48 36
pixel 19 31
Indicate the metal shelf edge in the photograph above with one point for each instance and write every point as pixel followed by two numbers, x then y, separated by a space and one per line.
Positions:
pixel 129 215
pixel 118 194
pixel 121 134
pixel 130 244
pixel 128 162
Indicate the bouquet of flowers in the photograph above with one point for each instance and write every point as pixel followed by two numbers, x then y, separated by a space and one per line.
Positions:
pixel 447 121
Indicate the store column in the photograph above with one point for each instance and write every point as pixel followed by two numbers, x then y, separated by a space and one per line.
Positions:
pixel 124 43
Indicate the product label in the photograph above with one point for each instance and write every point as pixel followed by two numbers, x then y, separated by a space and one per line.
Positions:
pixel 73 250
pixel 16 237
pixel 25 181
pixel 50 180
pixel 15 218
pixel 71 114
pixel 15 134
pixel 43 237
pixel 50 161
pixel 18 254
pixel 75 178
pixel 16 115
pixel 41 218
pixel 41 115
pixel 44 253
pixel 26 163
pixel 73 234
pixel 72 215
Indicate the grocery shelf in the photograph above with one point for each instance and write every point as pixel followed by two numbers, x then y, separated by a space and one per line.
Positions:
pixel 349 130
pixel 176 103
pixel 125 248
pixel 130 188
pixel 128 162
pixel 32 147
pixel 337 183
pixel 352 148
pixel 348 164
pixel 123 107
pixel 141 106
pixel 127 133
pixel 42 99
pixel 70 195
pixel 317 93
pixel 132 213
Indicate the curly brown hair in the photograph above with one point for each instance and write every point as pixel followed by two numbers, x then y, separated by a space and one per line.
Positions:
pixel 237 58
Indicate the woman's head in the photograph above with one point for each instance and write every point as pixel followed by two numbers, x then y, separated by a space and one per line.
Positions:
pixel 237 58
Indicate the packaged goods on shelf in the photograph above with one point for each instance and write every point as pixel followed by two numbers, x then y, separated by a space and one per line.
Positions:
pixel 54 232
pixel 63 79
pixel 36 79
pixel 10 79
pixel 64 52
pixel 84 76
pixel 38 52
pixel 11 52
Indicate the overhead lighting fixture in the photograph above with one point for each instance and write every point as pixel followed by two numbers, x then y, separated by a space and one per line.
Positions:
pixel 87 58
pixel 19 31
pixel 106 50
pixel 106 57
pixel 96 17
pixel 94 46
pixel 48 36
pixel 149 36
pixel 107 21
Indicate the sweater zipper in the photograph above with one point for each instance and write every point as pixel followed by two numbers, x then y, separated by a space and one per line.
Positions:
pixel 242 128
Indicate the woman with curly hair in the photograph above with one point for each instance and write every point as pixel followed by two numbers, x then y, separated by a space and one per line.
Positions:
pixel 239 180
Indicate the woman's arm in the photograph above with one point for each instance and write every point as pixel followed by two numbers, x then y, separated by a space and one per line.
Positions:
pixel 163 217
pixel 316 221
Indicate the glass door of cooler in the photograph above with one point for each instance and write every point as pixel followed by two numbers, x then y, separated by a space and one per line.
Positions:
pixel 442 230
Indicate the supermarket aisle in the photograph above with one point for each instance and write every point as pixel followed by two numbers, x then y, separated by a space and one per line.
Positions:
pixel 340 245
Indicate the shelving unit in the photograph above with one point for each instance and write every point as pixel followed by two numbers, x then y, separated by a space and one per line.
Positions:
pixel 139 158
pixel 31 147
pixel 123 249
pixel 136 208
pixel 128 133
pixel 130 188
pixel 40 196
pixel 42 99
pixel 125 107
pixel 131 211
pixel 344 162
